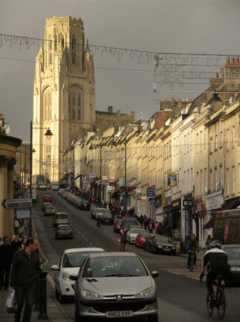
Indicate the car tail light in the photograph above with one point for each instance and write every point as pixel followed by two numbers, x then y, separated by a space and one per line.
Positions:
pixel 70 231
pixel 66 218
pixel 57 218
pixel 57 231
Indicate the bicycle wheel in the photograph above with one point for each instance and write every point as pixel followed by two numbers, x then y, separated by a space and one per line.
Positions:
pixel 221 303
pixel 209 309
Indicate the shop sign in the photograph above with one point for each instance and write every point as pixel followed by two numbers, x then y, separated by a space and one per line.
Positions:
pixel 112 184
pixel 151 192
pixel 172 180
pixel 158 202
pixel 138 190
pixel 176 203
pixel 112 179
pixel 92 175
pixel 104 178
pixel 188 203
pixel 139 197
pixel 176 234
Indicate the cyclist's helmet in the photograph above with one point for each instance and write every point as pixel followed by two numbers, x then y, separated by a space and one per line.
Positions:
pixel 215 244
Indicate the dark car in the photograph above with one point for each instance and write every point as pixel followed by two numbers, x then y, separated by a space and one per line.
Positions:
pixel 148 242
pixel 233 254
pixel 127 222
pixel 117 225
pixel 63 231
pixel 106 218
pixel 163 245
pixel 84 205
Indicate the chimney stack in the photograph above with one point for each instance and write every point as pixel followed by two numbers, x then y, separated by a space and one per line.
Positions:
pixel 232 60
pixel 110 109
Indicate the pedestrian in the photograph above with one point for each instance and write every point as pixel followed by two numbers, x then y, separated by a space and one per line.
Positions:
pixel 141 220
pixel 145 222
pixel 150 226
pixel 156 226
pixel 6 258
pixel 16 226
pixel 16 244
pixel 148 221
pixel 98 222
pixel 159 228
pixel 122 241
pixel 208 241
pixel 25 273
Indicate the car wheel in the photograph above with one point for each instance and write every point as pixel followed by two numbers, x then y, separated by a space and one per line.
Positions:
pixel 56 294
pixel 153 318
pixel 174 254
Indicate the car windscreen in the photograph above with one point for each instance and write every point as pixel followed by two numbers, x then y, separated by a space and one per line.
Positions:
pixel 111 266
pixel 164 240
pixel 128 223
pixel 101 211
pixel 232 252
pixel 75 259
pixel 62 216
pixel 50 208
pixel 136 231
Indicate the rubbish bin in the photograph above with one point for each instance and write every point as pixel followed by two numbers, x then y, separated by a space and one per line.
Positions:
pixel 183 245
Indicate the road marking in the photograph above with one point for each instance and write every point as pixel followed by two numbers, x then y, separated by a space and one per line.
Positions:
pixel 82 235
pixel 193 278
pixel 173 273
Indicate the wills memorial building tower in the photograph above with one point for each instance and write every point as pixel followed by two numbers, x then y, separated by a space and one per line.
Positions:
pixel 64 94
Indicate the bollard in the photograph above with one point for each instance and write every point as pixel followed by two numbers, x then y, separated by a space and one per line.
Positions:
pixel 37 302
pixel 43 297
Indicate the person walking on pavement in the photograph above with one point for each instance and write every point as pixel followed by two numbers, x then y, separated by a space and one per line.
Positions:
pixel 141 220
pixel 156 226
pixel 16 244
pixel 122 241
pixel 6 258
pixel 16 226
pixel 25 272
pixel 192 246
pixel 150 226
pixel 159 228
pixel 208 242
pixel 145 222
pixel 98 222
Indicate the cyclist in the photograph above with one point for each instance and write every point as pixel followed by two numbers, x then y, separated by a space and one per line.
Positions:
pixel 192 246
pixel 217 260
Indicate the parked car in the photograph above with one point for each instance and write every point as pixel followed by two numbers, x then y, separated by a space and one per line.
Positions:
pixel 106 218
pixel 163 245
pixel 70 263
pixel 112 285
pixel 132 234
pixel 50 211
pixel 148 242
pixel 63 231
pixel 47 198
pixel 84 205
pixel 98 212
pixel 141 238
pixel 117 225
pixel 55 186
pixel 128 221
pixel 60 218
pixel 45 204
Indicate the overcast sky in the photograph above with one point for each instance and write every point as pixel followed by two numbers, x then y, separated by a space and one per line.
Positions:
pixel 158 26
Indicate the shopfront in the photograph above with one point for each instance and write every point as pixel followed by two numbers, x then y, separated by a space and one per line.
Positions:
pixel 151 205
pixel 167 211
pixel 176 214
pixel 158 209
pixel 187 217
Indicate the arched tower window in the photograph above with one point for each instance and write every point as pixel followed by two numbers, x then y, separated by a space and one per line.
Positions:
pixel 73 99
pixel 76 98
pixel 79 99
pixel 47 102
pixel 73 50
pixel 73 42
pixel 50 106
pixel 62 42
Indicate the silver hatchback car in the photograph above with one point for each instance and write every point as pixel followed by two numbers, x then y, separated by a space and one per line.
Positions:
pixel 113 285
pixel 60 218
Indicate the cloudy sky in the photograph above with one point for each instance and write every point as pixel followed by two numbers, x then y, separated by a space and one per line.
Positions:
pixel 158 26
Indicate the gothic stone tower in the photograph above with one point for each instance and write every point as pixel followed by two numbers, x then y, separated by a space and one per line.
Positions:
pixel 64 94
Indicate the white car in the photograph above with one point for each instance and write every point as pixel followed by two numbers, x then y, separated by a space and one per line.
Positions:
pixel 69 264
pixel 132 234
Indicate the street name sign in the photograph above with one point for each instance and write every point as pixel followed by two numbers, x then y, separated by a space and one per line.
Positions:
pixel 16 203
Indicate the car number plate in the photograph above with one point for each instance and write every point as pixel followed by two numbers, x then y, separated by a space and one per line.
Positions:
pixel 118 314
pixel 106 220
pixel 167 249
pixel 64 232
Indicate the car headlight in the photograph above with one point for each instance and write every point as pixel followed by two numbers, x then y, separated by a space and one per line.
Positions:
pixel 148 292
pixel 91 295
pixel 65 276
pixel 159 246
pixel 235 269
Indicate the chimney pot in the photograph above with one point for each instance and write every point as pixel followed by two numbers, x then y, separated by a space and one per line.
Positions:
pixel 217 75
pixel 237 60
pixel 165 100
pixel 190 100
pixel 232 60
pixel 227 60
pixel 110 109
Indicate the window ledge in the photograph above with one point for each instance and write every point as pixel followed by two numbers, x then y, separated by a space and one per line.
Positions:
pixel 210 153
pixel 233 147
pixel 226 196
pixel 220 147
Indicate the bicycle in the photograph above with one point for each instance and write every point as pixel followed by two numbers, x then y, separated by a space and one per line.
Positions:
pixel 220 302
pixel 191 262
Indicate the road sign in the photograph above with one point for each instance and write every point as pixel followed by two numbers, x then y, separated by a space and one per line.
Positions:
pixel 23 213
pixel 16 203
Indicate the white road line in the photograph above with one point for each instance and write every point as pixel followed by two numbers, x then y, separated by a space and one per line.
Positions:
pixel 173 273
pixel 193 278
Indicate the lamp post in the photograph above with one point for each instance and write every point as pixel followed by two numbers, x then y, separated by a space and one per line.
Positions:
pixel 48 134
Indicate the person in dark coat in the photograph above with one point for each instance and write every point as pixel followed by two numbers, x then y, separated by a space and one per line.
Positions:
pixel 141 220
pixel 16 244
pixel 159 228
pixel 6 258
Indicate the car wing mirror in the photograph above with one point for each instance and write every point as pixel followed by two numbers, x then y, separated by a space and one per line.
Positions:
pixel 73 277
pixel 55 267
pixel 155 274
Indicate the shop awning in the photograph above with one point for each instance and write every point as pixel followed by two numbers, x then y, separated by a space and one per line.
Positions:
pixel 231 204
pixel 210 224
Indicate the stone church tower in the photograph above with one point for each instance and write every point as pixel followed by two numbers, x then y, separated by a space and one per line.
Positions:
pixel 64 94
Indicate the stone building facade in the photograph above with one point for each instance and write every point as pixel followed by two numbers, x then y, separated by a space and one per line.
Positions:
pixel 64 93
